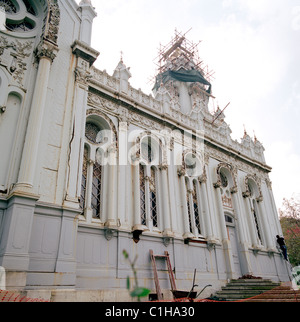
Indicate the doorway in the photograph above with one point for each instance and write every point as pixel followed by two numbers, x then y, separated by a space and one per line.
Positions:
pixel 232 236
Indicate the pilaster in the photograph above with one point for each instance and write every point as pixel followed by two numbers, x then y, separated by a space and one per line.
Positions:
pixel 45 53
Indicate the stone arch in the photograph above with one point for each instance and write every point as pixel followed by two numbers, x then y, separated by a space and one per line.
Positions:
pixel 226 170
pixel 252 187
pixel 194 161
pixel 157 144
pixel 104 123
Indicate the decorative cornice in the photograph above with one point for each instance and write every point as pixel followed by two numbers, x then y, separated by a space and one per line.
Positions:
pixel 81 49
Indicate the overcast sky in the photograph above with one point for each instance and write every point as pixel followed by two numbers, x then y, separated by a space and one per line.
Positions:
pixel 253 46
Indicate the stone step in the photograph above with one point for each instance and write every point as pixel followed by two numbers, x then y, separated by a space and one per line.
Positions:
pixel 271 300
pixel 249 287
pixel 244 289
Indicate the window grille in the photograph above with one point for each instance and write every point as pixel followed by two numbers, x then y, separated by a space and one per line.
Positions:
pixel 153 199
pixel 147 152
pixel 142 195
pixel 84 179
pixel 196 209
pixel 256 222
pixel 188 207
pixel 96 190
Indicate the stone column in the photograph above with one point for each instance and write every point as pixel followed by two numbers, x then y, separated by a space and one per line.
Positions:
pixel 137 223
pixel 245 259
pixel 265 225
pixel 166 206
pixel 205 208
pixel 46 53
pixel 85 57
pixel 124 185
pixel 224 236
pixel 252 230
pixel 112 188
pixel 187 234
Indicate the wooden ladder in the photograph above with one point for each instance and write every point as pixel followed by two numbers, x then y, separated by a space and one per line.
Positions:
pixel 170 272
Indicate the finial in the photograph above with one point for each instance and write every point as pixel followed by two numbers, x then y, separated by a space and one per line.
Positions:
pixel 121 52
pixel 245 131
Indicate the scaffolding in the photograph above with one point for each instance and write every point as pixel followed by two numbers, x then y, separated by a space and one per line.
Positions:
pixel 181 46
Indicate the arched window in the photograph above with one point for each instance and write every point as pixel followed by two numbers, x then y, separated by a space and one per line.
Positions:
pixel 254 211
pixel 148 181
pixel 225 191
pixel 193 167
pixel 98 138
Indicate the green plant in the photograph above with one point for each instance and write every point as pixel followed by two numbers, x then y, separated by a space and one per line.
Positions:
pixel 136 291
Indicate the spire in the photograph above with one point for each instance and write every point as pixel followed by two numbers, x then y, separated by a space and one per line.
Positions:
pixel 88 14
pixel 122 73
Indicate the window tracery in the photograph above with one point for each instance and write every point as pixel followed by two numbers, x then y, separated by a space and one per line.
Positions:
pixel 28 11
pixel 8 6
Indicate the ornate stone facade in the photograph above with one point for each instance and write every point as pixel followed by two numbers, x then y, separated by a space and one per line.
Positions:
pixel 93 166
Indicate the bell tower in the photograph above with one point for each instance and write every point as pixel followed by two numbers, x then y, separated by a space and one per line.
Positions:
pixel 182 74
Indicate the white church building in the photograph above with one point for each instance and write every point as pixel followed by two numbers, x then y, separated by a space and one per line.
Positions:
pixel 90 166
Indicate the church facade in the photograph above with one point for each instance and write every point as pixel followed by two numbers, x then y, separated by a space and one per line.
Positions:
pixel 91 166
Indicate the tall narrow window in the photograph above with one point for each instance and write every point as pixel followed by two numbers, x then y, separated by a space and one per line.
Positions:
pixel 153 198
pixel 256 222
pixel 84 178
pixel 189 206
pixel 196 208
pixel 143 195
pixel 96 190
